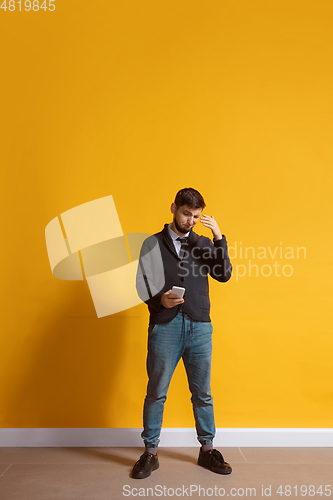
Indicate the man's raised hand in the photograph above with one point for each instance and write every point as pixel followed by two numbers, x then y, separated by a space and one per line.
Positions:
pixel 211 223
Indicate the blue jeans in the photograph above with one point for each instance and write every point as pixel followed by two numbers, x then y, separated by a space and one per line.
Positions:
pixel 167 343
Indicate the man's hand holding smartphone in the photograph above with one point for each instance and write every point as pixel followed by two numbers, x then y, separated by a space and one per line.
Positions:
pixel 173 297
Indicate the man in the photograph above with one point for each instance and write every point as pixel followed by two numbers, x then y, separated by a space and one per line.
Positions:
pixel 181 327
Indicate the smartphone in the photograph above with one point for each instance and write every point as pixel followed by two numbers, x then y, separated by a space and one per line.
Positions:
pixel 179 291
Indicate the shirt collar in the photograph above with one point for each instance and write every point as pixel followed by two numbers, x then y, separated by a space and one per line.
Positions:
pixel 174 235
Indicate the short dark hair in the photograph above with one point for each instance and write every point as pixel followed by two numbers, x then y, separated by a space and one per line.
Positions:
pixel 190 197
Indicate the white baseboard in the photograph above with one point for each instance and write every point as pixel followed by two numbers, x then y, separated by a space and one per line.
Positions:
pixel 174 437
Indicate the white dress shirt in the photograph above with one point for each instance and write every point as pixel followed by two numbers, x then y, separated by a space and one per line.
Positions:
pixel 174 237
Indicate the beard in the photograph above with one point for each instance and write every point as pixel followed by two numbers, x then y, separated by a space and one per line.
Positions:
pixel 178 227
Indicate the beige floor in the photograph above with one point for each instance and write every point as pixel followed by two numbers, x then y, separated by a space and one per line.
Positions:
pixel 104 473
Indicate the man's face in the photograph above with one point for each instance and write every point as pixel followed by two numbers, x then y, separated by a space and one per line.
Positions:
pixel 185 217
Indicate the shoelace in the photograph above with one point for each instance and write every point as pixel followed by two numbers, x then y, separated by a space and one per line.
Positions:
pixel 142 459
pixel 217 455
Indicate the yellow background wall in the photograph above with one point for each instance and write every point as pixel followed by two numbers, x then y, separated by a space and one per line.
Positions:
pixel 137 100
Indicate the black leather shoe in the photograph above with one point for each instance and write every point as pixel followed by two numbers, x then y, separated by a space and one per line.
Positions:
pixel 214 461
pixel 145 465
